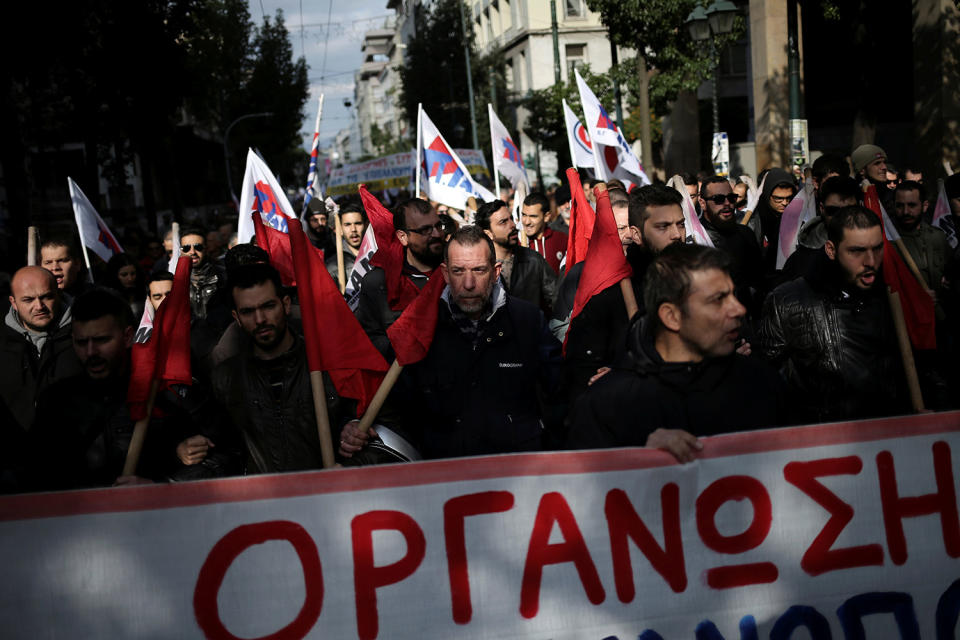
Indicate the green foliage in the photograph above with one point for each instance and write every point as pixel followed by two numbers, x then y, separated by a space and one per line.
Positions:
pixel 385 143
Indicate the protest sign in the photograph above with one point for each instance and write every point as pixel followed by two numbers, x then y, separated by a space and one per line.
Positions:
pixel 844 531
pixel 392 172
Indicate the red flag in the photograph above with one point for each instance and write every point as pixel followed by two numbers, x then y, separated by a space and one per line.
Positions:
pixel 581 221
pixel 275 243
pixel 413 331
pixel 390 253
pixel 918 306
pixel 165 356
pixel 604 264
pixel 335 342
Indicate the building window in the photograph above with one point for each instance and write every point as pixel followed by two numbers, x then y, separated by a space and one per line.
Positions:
pixel 521 66
pixel 576 57
pixel 506 15
pixel 573 8
pixel 508 75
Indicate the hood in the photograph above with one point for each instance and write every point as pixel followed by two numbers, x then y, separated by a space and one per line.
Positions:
pixel 813 235
pixel 775 177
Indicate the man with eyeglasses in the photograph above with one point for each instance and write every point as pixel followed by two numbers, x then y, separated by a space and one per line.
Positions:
pixel 778 191
pixel 420 231
pixel 718 202
pixel 206 277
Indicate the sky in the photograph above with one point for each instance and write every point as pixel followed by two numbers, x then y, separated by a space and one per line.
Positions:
pixel 348 20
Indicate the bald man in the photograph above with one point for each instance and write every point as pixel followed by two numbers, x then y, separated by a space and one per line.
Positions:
pixel 35 342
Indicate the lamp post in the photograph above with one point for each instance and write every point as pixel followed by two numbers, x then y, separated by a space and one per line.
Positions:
pixel 703 25
pixel 226 148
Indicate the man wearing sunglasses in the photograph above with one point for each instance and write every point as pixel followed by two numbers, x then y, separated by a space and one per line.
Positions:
pixel 718 201
pixel 206 277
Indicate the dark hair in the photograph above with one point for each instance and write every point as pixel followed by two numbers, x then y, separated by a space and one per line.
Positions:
pixel 830 163
pixel 614 183
pixel 163 276
pixel 244 254
pixel 657 195
pixel 193 231
pixel 709 181
pixel 98 302
pixel 852 217
pixel 117 262
pixel 469 236
pixel 537 198
pixel 61 240
pixel 352 206
pixel 668 277
pixel 562 195
pixel 913 185
pixel 487 209
pixel 250 275
pixel 688 178
pixel 592 182
pixel 843 186
pixel 400 211
pixel 618 197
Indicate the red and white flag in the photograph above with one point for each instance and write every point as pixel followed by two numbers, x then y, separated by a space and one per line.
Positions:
pixel 581 148
pixel 261 192
pixel 145 328
pixel 94 233
pixel 506 155
pixel 691 221
pixel 801 210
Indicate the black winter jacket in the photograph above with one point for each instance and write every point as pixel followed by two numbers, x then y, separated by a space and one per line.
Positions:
pixel 643 393
pixel 532 279
pixel 835 346
pixel 374 312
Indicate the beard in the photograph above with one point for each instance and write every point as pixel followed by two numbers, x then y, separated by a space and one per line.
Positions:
pixel 431 255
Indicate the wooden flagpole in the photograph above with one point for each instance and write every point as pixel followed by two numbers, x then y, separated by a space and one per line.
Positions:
pixel 746 217
pixel 319 394
pixel 393 373
pixel 140 432
pixel 906 350
pixel 33 246
pixel 341 276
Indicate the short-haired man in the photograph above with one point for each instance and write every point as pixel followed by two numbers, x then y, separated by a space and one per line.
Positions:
pixel 680 378
pixel 830 331
pixel 525 273
pixel 206 276
pixel 158 288
pixel 475 392
pixel 926 244
pixel 827 166
pixel 835 193
pixel 620 204
pixel 266 387
pixel 35 343
pixel 420 231
pixel 353 224
pixel 58 255
pixel 550 244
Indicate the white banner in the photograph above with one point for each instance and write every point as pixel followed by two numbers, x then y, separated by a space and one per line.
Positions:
pixel 392 172
pixel 846 531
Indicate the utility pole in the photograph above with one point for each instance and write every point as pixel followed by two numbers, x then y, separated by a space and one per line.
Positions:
pixel 556 42
pixel 799 142
pixel 466 53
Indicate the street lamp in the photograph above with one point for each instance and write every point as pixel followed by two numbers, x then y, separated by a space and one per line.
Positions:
pixel 707 24
pixel 226 148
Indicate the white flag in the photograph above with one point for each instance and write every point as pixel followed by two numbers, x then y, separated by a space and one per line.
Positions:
pixel 445 178
pixel 614 157
pixel 695 229
pixel 942 218
pixel 145 329
pixel 506 155
pixel 801 210
pixel 581 149
pixel 94 233
pixel 261 192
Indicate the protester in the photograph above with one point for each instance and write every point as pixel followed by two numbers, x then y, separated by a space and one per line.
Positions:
pixel 125 277
pixel 35 342
pixel 778 191
pixel 206 276
pixel 159 287
pixel 620 203
pixel 420 232
pixel 870 163
pixel 58 255
pixel 353 223
pixel 524 272
pixel 475 393
pixel 830 332
pixel 561 198
pixel 550 244
pixel 680 378
pixel 318 228
pixel 265 388
pixel 926 245
pixel 827 166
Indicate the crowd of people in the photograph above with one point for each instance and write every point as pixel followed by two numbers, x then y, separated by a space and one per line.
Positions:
pixel 712 340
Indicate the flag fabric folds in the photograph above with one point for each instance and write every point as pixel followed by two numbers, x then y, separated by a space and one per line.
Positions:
pixel 412 333
pixel 506 155
pixel 445 177
pixel 94 233
pixel 390 255
pixel 277 246
pixel 690 218
pixel 165 356
pixel 918 306
pixel 334 340
pixel 262 193
pixel 581 149
pixel 801 210
pixel 582 219
pixel 311 189
pixel 145 328
pixel 942 218
pixel 604 265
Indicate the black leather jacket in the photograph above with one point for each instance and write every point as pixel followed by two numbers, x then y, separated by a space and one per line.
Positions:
pixel 278 427
pixel 834 345
pixel 532 279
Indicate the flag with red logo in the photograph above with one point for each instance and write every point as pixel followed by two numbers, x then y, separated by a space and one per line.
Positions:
pixel 263 194
pixel 165 356
pixel 312 176
pixel 506 155
pixel 613 156
pixel 94 233
pixel 412 333
pixel 918 306
pixel 581 149
pixel 582 219
pixel 445 177
pixel 334 340
pixel 604 264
